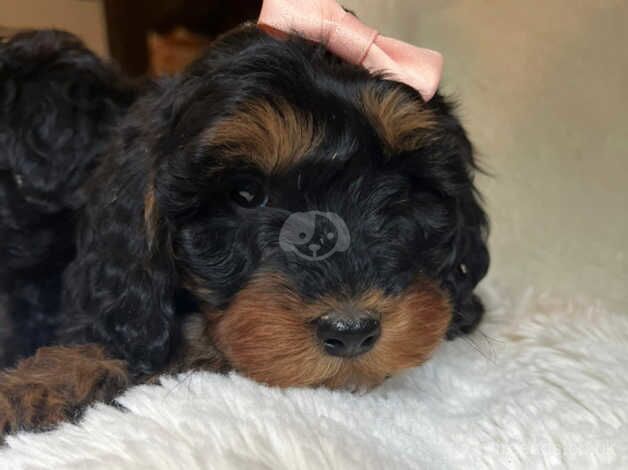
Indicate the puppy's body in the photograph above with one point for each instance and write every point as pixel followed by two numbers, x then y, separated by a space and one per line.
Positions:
pixel 188 251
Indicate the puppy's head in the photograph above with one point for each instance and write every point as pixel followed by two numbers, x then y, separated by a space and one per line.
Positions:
pixel 323 219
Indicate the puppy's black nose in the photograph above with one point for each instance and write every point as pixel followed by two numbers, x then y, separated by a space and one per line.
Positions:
pixel 347 335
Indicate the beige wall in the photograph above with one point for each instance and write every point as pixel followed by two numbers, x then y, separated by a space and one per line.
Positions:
pixel 543 87
pixel 84 18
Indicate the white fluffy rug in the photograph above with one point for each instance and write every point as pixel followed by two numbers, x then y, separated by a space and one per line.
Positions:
pixel 544 384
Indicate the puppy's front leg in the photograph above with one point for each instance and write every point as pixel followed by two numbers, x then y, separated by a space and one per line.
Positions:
pixel 57 384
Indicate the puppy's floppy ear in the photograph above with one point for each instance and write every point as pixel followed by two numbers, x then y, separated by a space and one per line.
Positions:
pixel 120 288
pixel 468 259
pixel 434 150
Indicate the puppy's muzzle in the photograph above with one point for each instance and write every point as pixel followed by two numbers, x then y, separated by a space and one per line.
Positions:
pixel 348 333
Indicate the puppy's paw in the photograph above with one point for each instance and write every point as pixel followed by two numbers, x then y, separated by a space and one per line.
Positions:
pixel 57 384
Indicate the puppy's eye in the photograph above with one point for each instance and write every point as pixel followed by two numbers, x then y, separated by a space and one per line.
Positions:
pixel 249 192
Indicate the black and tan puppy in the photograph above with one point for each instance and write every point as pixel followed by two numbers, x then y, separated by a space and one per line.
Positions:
pixel 273 210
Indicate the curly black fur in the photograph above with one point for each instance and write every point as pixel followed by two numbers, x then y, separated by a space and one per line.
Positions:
pixel 416 213
pixel 57 104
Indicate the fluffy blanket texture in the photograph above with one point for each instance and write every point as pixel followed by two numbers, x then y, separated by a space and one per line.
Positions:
pixel 543 384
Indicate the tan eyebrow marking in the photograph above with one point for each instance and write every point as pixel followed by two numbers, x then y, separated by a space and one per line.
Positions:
pixel 401 121
pixel 274 136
